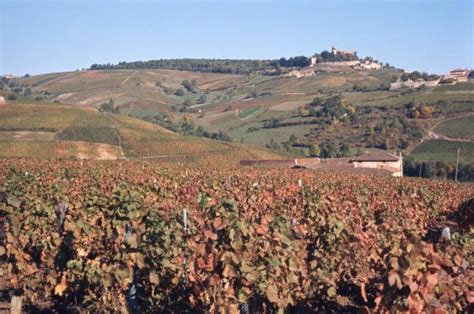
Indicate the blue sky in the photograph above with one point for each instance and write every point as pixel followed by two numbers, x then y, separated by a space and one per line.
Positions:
pixel 50 36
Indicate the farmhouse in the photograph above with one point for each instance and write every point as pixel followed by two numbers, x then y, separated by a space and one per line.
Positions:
pixel 380 160
pixel 312 61
pixel 379 163
pixel 413 84
pixel 369 65
pixel 460 75
pixel 302 73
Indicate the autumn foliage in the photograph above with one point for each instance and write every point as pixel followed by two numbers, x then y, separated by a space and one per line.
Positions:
pixel 111 236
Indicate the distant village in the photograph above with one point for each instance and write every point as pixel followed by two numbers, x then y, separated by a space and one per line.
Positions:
pixel 320 66
pixel 317 65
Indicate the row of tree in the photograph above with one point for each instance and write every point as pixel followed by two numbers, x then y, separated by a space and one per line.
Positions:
pixel 440 170
pixel 297 62
pixel 186 126
pixel 225 65
pixel 326 56
pixel 415 76
pixel 198 65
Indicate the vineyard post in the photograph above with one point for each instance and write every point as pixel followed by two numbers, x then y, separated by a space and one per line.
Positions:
pixel 457 165
pixel 16 304
pixel 185 219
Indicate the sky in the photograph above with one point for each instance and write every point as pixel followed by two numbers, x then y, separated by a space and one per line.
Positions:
pixel 52 36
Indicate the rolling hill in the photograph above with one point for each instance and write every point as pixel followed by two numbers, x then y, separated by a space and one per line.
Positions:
pixel 59 131
pixel 266 110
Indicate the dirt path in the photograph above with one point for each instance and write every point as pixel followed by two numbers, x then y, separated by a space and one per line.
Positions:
pixel 251 115
pixel 128 78
pixel 294 94
pixel 437 136
pixel 433 135
pixel 159 101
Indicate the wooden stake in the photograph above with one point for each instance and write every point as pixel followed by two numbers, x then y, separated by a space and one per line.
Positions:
pixel 16 305
pixel 185 219
pixel 457 165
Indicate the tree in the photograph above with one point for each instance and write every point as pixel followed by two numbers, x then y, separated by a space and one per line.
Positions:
pixel 27 92
pixel 328 150
pixel 202 99
pixel 109 107
pixel 302 111
pixel 410 105
pixel 189 86
pixel 327 56
pixel 426 112
pixel 179 92
pixel 426 170
pixel 345 150
pixel 273 144
pixel 314 150
pixel 187 124
pixel 316 102
pixel 293 139
pixel 188 102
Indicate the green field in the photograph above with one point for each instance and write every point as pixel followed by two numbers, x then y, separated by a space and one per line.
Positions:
pixel 457 128
pixel 444 151
pixel 95 135
pixel 247 113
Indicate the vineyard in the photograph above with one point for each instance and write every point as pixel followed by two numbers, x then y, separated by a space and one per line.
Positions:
pixel 165 237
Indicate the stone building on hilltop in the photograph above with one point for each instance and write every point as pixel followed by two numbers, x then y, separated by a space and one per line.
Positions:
pixel 459 75
pixel 368 65
pixel 301 73
pixel 336 52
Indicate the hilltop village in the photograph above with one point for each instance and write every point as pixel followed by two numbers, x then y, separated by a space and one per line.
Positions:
pixel 343 60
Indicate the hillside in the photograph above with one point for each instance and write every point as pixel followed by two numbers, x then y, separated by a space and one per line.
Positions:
pixel 277 111
pixel 53 131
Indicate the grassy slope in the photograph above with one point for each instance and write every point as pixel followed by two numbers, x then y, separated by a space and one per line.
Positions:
pixel 457 128
pixel 50 130
pixel 444 151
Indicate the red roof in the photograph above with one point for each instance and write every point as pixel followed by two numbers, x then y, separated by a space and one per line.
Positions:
pixel 459 70
pixel 376 156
